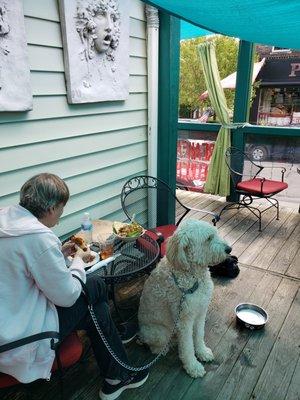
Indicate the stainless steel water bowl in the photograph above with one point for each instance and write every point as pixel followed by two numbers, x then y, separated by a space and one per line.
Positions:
pixel 251 316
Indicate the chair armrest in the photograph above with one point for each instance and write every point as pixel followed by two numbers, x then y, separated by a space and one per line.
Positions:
pixel 215 216
pixel 283 170
pixel 278 166
pixel 30 339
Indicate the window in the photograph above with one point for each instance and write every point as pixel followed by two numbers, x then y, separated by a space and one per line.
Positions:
pixel 280 50
pixel 279 106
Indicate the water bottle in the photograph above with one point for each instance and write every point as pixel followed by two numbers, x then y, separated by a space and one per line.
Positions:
pixel 87 227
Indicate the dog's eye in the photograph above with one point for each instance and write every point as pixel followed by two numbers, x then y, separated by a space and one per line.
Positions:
pixel 209 238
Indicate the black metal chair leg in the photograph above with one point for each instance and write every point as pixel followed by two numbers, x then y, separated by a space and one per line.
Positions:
pixel 277 206
pixel 259 219
pixel 60 373
pixel 227 207
pixel 61 387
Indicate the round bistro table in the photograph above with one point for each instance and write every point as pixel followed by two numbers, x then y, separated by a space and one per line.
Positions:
pixel 134 258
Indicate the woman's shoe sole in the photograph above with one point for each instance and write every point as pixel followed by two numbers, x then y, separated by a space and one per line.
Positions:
pixel 116 394
pixel 130 339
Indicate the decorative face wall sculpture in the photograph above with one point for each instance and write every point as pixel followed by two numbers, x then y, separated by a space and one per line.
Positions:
pixel 96 49
pixel 15 90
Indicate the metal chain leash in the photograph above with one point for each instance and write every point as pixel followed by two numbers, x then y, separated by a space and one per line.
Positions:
pixel 117 359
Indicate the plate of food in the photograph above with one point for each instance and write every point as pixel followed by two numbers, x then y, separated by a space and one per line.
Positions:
pixel 128 232
pixel 90 259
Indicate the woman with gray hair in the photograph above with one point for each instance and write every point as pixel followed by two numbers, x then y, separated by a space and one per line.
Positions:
pixel 39 293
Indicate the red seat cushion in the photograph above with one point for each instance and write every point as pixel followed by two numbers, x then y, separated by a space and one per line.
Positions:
pixel 254 186
pixel 70 352
pixel 166 231
pixel 7 381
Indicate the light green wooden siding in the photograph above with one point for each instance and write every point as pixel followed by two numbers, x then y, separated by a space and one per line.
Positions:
pixel 94 147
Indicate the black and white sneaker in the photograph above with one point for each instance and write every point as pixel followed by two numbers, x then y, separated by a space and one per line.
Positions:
pixel 127 331
pixel 112 392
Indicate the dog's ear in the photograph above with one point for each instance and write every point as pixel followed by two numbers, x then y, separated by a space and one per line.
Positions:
pixel 177 251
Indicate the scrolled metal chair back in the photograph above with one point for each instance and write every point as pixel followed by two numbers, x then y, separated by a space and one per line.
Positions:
pixel 139 196
pixel 240 164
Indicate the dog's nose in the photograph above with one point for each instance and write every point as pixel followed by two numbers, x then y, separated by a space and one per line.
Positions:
pixel 228 249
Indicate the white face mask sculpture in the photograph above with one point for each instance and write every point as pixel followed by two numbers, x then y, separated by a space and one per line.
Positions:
pixel 96 49
pixel 98 25
pixel 15 85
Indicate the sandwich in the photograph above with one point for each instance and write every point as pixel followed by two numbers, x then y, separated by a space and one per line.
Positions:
pixel 79 242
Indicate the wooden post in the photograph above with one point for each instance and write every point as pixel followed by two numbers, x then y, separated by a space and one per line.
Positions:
pixel 242 100
pixel 169 48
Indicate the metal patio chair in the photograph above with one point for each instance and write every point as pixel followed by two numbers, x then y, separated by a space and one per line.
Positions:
pixel 139 199
pixel 67 352
pixel 250 185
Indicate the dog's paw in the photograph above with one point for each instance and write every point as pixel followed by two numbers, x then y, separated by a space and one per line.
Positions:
pixel 205 354
pixel 195 369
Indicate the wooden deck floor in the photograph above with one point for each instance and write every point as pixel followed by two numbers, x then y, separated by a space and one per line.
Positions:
pixel 261 365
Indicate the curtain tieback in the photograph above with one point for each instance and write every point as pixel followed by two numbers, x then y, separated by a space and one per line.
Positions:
pixel 235 125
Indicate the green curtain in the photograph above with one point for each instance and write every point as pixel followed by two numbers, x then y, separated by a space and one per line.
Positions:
pixel 218 179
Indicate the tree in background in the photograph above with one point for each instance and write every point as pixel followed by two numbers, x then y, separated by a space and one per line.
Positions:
pixel 192 82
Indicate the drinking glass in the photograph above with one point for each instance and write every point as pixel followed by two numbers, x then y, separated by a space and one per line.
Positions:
pixel 106 246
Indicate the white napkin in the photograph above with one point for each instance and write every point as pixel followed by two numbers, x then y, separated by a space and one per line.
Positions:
pixel 102 263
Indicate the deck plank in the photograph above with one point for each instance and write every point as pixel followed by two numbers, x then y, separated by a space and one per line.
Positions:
pixel 293 392
pixel 231 346
pixel 289 248
pixel 294 269
pixel 260 243
pixel 278 371
pixel 189 198
pixel 239 229
pixel 245 373
pixel 242 244
pixel 224 219
pixel 277 241
pixel 193 201
pixel 241 220
pixel 209 205
pixel 219 319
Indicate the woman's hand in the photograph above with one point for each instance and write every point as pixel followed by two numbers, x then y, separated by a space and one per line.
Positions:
pixel 68 249
pixel 84 255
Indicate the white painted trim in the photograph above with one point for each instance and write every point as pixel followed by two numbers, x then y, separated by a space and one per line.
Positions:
pixel 152 64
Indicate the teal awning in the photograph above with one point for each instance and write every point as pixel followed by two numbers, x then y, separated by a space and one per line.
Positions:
pixel 271 22
pixel 190 31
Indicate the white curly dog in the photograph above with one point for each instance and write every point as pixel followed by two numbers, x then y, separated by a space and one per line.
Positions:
pixel 193 247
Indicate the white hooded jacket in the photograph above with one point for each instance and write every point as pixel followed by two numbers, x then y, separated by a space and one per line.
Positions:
pixel 33 279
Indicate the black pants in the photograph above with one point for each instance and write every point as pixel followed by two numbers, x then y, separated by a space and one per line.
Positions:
pixel 77 317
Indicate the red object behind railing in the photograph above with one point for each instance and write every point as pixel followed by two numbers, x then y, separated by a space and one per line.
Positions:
pixel 193 158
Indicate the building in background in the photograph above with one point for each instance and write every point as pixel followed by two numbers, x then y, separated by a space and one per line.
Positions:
pixel 277 100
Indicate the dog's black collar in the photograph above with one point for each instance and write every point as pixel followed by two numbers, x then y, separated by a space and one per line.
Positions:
pixel 186 291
